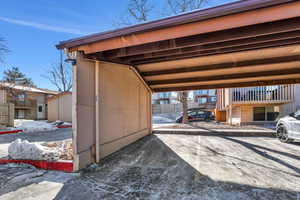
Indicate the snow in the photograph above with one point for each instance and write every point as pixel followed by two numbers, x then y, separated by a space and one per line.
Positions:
pixel 34 126
pixel 61 123
pixel 161 120
pixel 27 88
pixel 31 151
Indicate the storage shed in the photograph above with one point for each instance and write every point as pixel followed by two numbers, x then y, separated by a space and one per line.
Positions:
pixel 60 107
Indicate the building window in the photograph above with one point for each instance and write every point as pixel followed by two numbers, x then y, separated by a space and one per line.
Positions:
pixel 201 92
pixel 213 99
pixel 164 102
pixel 272 113
pixel 164 95
pixel 21 97
pixel 202 100
pixel 265 113
pixel 259 114
pixel 20 114
pixel 40 108
pixel 212 92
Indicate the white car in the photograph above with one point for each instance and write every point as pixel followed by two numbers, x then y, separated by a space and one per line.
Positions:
pixel 288 127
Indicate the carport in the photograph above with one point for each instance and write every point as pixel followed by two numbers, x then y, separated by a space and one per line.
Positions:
pixel 247 43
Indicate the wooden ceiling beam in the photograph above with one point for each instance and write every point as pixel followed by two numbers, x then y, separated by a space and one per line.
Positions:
pixel 228 65
pixel 218 51
pixel 230 85
pixel 226 77
pixel 216 46
pixel 208 38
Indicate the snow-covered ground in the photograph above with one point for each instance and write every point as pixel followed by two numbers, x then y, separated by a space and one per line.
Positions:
pixel 165 118
pixel 34 126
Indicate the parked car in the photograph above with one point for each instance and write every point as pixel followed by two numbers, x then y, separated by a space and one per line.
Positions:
pixel 288 127
pixel 197 115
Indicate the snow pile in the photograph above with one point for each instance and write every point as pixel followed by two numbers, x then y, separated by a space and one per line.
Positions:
pixel 65 149
pixel 34 126
pixel 161 120
pixel 31 151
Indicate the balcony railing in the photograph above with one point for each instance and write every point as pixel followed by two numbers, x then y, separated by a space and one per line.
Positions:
pixel 263 94
pixel 26 103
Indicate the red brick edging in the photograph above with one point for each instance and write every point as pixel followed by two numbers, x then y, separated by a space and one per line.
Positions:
pixel 65 126
pixel 11 132
pixel 58 166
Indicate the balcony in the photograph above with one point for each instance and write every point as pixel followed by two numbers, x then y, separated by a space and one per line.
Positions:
pixel 27 104
pixel 262 94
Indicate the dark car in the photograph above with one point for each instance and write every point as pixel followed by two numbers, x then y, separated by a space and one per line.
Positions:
pixel 197 115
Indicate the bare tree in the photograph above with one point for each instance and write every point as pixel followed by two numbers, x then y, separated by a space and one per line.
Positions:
pixel 3 48
pixel 141 10
pixel 183 98
pixel 60 75
pixel 137 11
pixel 179 6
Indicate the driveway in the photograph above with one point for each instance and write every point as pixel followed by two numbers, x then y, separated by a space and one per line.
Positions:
pixel 170 166
pixel 39 137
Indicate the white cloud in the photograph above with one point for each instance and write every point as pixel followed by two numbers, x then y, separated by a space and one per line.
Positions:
pixel 43 26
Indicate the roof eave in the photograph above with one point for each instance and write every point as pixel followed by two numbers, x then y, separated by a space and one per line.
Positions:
pixel 219 11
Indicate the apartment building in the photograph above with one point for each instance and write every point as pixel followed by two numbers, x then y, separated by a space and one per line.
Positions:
pixel 205 99
pixel 256 105
pixel 165 98
pixel 29 102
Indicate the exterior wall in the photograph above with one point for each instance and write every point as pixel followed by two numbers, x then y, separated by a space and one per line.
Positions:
pixel 111 109
pixel 246 114
pixel 30 104
pixel 83 110
pixel 125 107
pixel 243 114
pixel 165 98
pixel 209 95
pixel 60 108
pixel 286 97
pixel 297 96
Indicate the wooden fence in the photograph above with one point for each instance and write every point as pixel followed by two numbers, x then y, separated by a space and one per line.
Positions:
pixel 7 114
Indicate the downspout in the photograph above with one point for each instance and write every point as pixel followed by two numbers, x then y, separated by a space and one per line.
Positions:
pixel 97 107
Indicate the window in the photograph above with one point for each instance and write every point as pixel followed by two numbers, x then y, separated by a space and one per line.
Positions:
pixel 40 108
pixel 212 92
pixel 272 113
pixel 202 100
pixel 259 114
pixel 265 113
pixel 213 99
pixel 20 114
pixel 21 97
pixel 164 95
pixel 201 92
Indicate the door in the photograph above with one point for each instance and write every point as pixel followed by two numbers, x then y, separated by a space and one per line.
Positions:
pixel 41 114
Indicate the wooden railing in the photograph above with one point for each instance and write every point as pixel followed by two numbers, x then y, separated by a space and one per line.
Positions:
pixel 26 103
pixel 263 94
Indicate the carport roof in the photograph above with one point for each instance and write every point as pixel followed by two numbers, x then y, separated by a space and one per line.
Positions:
pixel 189 17
pixel 247 43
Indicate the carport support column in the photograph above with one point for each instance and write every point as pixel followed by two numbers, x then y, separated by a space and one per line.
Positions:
pixel 83 107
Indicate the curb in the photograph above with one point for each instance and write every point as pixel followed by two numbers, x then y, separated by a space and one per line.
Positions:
pixel 216 133
pixel 58 166
pixel 11 132
pixel 64 126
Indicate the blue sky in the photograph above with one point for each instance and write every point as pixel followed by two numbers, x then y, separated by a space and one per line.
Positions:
pixel 32 28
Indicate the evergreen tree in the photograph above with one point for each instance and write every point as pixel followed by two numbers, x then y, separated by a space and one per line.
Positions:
pixel 16 77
